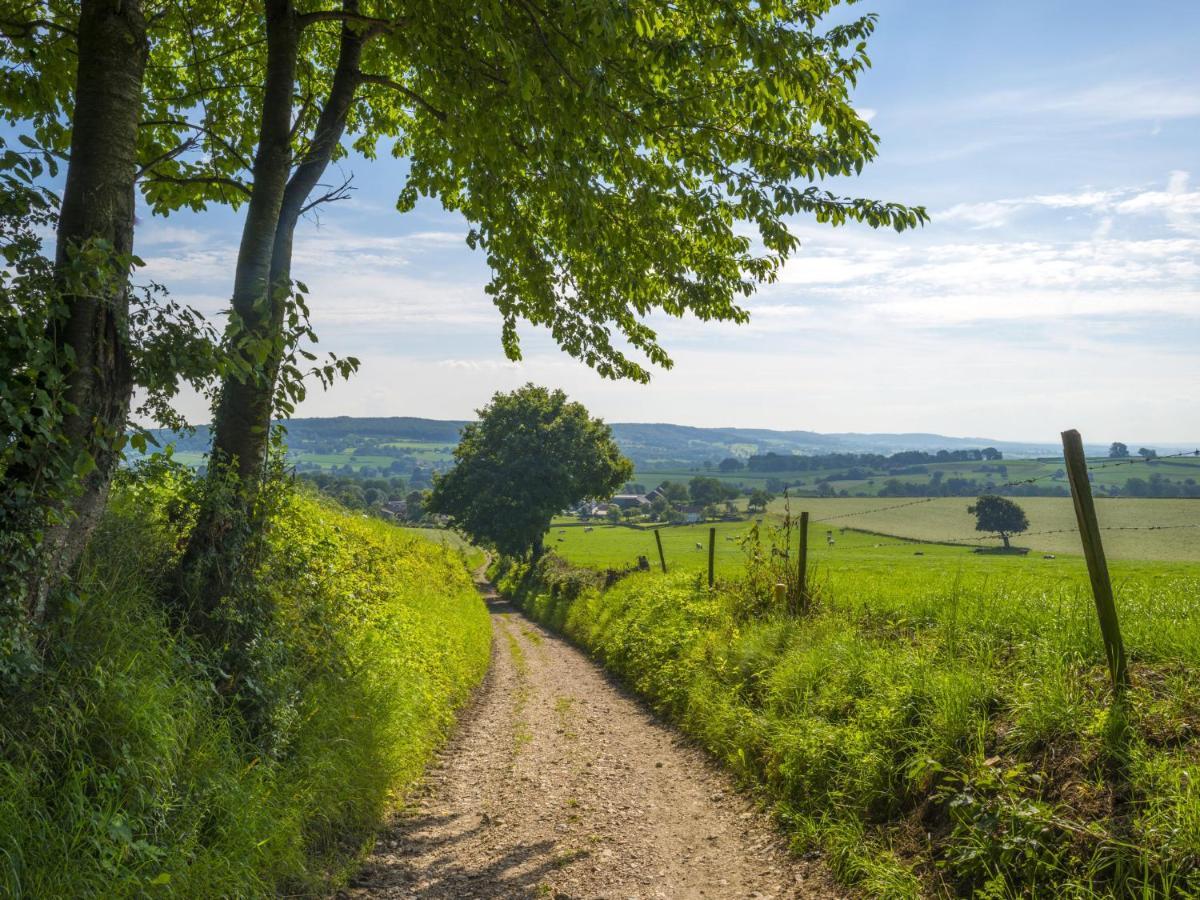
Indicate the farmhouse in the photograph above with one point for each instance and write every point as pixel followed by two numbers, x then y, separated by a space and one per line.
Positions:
pixel 630 501
pixel 590 510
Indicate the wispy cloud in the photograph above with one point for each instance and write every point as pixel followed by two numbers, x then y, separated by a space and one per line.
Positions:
pixel 1176 204
pixel 1112 101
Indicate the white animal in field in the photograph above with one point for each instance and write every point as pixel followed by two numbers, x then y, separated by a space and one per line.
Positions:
pixel 699 546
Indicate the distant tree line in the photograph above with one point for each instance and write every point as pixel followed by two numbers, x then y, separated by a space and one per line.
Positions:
pixel 790 462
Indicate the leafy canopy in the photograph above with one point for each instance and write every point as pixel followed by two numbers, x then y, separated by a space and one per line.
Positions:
pixel 617 158
pixel 531 455
pixel 614 158
pixel 707 491
pixel 998 515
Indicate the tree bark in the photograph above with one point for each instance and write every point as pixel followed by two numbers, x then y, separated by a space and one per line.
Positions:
pixel 97 206
pixel 216 543
pixel 242 421
pixel 254 405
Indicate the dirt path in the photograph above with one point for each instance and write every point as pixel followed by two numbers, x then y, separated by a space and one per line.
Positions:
pixel 558 785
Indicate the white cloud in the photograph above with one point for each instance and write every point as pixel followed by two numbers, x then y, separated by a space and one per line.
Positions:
pixel 1113 101
pixel 1177 204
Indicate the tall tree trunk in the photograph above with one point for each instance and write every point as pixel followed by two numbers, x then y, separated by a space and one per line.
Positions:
pixel 242 421
pixel 97 207
pixel 218 539
pixel 246 420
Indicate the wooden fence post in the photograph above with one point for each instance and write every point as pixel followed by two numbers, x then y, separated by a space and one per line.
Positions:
pixel 662 560
pixel 803 564
pixel 780 595
pixel 1093 552
pixel 712 549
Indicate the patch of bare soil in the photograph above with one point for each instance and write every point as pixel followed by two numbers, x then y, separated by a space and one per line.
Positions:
pixel 559 785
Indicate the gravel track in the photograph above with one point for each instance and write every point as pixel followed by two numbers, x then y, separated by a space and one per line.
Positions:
pixel 559 785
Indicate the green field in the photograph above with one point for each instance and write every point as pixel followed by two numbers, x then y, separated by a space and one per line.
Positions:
pixel 1106 473
pixel 941 519
pixel 939 722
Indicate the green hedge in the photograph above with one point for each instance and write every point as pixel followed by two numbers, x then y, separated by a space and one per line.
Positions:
pixel 956 740
pixel 122 774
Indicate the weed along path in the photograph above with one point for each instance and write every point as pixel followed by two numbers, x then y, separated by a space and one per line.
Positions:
pixel 558 785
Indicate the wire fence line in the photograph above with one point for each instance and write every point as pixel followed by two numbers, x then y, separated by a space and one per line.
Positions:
pixel 1019 483
pixel 967 542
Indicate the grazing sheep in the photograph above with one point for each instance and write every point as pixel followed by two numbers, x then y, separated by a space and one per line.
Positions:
pixel 699 546
pixel 1048 556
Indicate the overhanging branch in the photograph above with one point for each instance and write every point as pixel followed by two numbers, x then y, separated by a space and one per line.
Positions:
pixel 383 81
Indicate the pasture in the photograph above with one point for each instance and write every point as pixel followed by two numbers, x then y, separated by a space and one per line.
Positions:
pixel 1106 474
pixel 904 523
pixel 1128 523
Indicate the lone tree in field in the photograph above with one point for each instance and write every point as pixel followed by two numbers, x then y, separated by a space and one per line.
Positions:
pixel 531 455
pixel 759 500
pixel 998 515
pixel 1118 451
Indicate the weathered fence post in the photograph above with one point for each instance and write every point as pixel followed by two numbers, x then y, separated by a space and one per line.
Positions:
pixel 662 560
pixel 780 595
pixel 712 549
pixel 1093 552
pixel 802 588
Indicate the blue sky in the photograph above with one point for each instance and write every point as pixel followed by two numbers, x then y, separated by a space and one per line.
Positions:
pixel 1055 145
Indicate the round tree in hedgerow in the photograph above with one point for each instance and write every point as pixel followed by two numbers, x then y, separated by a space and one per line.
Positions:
pixel 999 515
pixel 531 455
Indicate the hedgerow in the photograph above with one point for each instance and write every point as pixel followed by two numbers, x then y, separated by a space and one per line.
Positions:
pixel 952 739
pixel 123 772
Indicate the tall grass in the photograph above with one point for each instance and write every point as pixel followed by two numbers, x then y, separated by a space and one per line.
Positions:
pixel 933 736
pixel 122 774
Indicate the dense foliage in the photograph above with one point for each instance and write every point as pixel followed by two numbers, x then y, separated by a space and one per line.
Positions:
pixel 531 455
pixel 124 762
pixel 944 736
pixel 998 515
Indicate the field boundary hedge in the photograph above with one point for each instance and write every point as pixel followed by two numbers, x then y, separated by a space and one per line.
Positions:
pixel 958 740
pixel 124 774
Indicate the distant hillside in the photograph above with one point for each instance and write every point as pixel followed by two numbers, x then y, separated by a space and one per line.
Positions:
pixel 649 445
pixel 663 444
pixel 342 431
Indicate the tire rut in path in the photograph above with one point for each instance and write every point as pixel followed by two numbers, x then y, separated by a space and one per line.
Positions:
pixel 559 785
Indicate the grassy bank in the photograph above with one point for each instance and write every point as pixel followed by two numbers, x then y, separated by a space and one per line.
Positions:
pixel 122 773
pixel 934 734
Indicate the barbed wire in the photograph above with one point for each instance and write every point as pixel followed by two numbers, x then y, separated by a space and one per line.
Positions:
pixel 877 509
pixel 1000 487
pixel 967 542
pixel 1142 459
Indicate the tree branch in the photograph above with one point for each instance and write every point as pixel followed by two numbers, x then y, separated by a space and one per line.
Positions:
pixel 175 151
pixel 215 180
pixel 22 29
pixel 341 192
pixel 183 123
pixel 383 81
pixel 347 16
